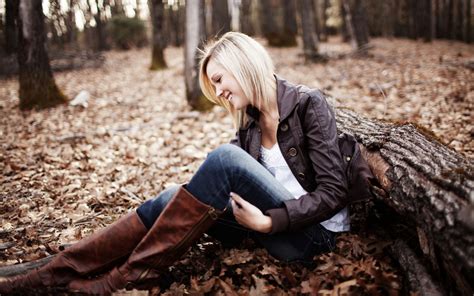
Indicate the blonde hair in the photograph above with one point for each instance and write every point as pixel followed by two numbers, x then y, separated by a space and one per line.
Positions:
pixel 248 62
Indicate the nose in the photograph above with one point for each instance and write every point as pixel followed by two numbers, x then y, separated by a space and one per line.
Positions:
pixel 219 92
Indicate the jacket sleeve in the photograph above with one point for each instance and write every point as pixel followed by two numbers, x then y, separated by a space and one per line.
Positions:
pixel 329 197
pixel 236 139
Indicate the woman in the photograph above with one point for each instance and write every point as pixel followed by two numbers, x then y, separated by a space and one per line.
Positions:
pixel 282 183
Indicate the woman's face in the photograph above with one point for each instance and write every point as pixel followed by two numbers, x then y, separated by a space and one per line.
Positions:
pixel 226 85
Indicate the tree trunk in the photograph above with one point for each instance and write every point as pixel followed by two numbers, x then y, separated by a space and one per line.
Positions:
pixel 220 18
pixel 346 37
pixel 427 28
pixel 388 18
pixel 102 44
pixel 175 21
pixel 290 27
pixel 458 20
pixel 430 186
pixel 356 21
pixel 246 24
pixel 310 39
pixel 467 22
pixel 11 25
pixel 158 34
pixel 234 15
pixel 37 85
pixel 349 23
pixel 450 18
pixel 194 38
pixel 71 23
pixel 279 22
pixel 324 18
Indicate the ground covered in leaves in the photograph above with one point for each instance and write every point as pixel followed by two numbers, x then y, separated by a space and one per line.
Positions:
pixel 69 171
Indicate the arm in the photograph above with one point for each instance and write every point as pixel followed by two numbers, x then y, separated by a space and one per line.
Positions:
pixel 236 139
pixel 249 215
pixel 322 147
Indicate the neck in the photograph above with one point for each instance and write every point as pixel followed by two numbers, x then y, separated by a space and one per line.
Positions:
pixel 271 111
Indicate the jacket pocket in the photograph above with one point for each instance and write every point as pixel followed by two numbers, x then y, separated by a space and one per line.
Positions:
pixel 357 170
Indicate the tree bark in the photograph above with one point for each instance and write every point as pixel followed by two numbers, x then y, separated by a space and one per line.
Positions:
pixel 290 27
pixel 176 23
pixel 467 22
pixel 427 28
pixel 246 24
pixel 194 39
pixel 310 38
pixel 11 25
pixel 71 23
pixel 429 185
pixel 360 25
pixel 37 86
pixel 158 34
pixel 220 18
pixel 102 44
pixel 348 17
pixel 279 22
pixel 346 36
pixel 324 18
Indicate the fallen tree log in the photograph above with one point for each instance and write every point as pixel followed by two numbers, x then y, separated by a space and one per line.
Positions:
pixel 429 185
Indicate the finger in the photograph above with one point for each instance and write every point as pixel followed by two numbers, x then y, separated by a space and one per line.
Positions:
pixel 236 197
pixel 235 208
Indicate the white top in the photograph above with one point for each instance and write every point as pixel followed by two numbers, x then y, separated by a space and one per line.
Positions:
pixel 273 161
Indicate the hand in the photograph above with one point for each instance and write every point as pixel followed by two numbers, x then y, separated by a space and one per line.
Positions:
pixel 249 215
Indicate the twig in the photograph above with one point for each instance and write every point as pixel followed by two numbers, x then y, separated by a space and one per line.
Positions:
pixel 130 196
pixel 22 268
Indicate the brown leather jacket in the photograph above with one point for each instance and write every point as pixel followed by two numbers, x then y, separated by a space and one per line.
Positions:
pixel 308 140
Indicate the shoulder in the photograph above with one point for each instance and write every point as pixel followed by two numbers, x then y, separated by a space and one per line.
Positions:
pixel 310 98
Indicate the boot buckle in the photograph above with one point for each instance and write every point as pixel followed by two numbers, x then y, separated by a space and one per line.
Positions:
pixel 212 212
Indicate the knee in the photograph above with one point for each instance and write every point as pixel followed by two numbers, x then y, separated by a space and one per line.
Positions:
pixel 227 154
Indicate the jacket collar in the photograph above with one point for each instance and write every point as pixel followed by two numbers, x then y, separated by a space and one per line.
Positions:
pixel 287 98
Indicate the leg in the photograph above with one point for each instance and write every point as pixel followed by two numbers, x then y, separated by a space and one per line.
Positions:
pixel 92 254
pixel 226 229
pixel 191 211
pixel 232 169
pixel 229 168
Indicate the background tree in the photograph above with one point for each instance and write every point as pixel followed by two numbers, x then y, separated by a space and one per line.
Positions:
pixel 175 20
pixel 467 30
pixel 220 23
pixel 319 11
pixel 356 22
pixel 279 22
pixel 101 36
pixel 11 26
pixel 195 36
pixel 37 86
pixel 158 35
pixel 246 23
pixel 71 23
pixel 310 38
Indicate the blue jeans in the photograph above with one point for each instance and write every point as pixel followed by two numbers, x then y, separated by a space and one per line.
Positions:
pixel 230 169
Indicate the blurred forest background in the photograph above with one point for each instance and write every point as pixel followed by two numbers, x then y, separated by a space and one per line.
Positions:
pixel 100 110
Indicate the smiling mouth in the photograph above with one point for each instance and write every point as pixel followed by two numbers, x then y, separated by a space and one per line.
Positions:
pixel 229 97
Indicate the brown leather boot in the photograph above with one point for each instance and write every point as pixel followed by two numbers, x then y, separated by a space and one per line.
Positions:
pixel 182 222
pixel 89 255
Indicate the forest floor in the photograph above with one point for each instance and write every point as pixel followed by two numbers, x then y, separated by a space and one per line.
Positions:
pixel 68 171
